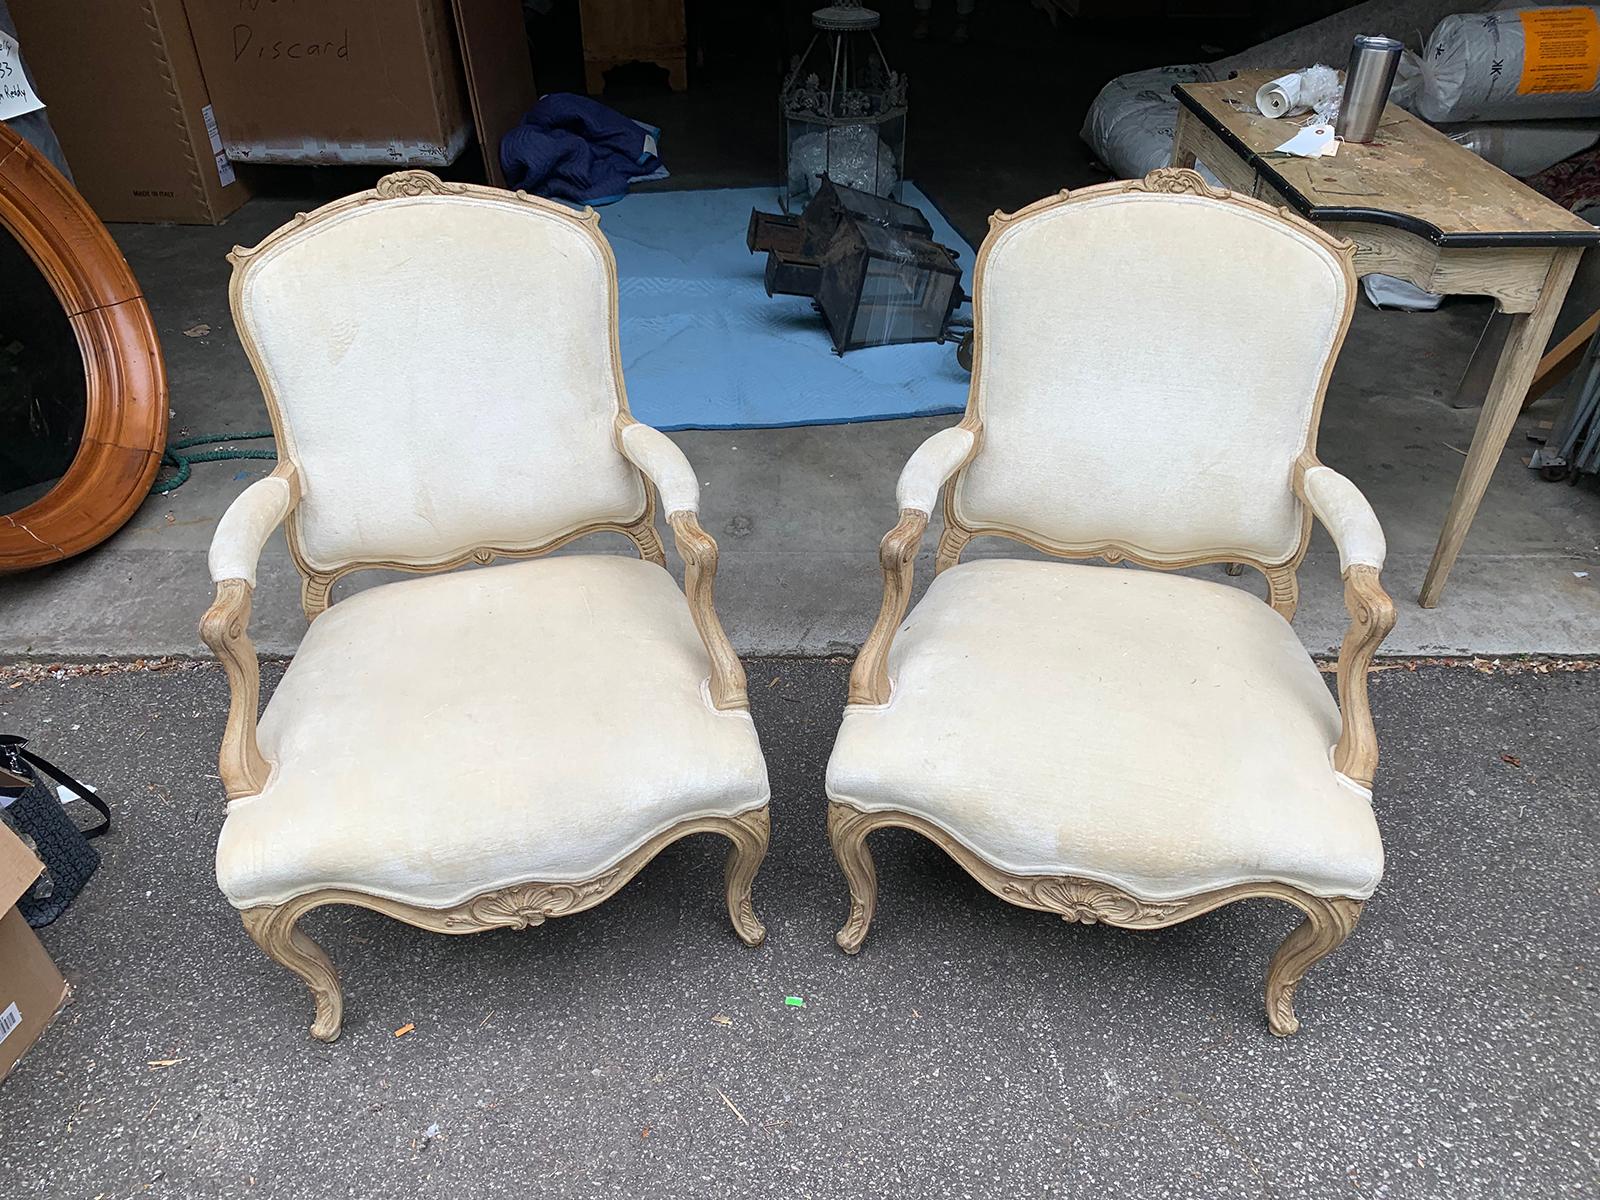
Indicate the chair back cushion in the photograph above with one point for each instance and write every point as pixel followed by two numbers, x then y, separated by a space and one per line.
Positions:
pixel 441 369
pixel 1149 366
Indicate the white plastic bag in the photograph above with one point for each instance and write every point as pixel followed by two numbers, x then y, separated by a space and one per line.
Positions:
pixel 1524 148
pixel 853 155
pixel 1132 121
pixel 1388 291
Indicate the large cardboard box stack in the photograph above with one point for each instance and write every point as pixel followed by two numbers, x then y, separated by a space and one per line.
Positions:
pixel 31 989
pixel 124 92
pixel 338 81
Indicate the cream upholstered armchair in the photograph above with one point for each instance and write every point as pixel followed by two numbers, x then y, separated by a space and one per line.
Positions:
pixel 486 747
pixel 1122 745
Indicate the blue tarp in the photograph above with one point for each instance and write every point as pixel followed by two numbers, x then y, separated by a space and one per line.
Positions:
pixel 704 347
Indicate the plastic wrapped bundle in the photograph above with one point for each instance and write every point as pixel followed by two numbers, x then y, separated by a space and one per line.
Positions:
pixel 853 155
pixel 1524 148
pixel 1131 122
pixel 1521 64
pixel 1316 89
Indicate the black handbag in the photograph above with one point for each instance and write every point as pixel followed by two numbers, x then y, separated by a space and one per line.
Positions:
pixel 36 815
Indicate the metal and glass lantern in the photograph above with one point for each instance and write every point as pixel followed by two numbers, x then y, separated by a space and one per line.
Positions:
pixel 882 287
pixel 843 111
pixel 869 264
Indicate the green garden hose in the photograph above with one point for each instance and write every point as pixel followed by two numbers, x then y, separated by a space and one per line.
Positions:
pixel 180 462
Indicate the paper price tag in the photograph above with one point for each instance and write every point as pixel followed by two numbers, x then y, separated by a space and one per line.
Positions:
pixel 1314 141
pixel 16 97
pixel 1560 50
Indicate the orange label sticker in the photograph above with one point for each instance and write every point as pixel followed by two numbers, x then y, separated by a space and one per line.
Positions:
pixel 1560 50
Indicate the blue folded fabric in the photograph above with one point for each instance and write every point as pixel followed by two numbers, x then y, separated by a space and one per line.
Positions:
pixel 573 148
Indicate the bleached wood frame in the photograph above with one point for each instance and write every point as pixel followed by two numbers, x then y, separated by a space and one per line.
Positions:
pixel 225 629
pixel 1328 920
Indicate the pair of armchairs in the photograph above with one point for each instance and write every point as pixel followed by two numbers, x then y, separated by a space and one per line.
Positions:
pixel 496 747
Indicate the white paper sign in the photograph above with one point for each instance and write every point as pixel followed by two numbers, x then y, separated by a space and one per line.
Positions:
pixel 16 97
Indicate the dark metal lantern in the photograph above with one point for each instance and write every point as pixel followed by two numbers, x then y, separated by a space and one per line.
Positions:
pixel 869 264
pixel 881 287
pixel 842 110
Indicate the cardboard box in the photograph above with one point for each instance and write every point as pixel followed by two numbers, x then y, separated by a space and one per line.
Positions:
pixel 337 81
pixel 494 54
pixel 123 90
pixel 32 991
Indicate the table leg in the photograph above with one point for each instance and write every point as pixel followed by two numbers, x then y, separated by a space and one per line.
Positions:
pixel 1525 342
pixel 1182 149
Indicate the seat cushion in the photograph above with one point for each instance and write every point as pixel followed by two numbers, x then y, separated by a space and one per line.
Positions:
pixel 443 736
pixel 1163 734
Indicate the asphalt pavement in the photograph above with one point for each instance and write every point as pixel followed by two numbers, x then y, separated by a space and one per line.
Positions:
pixel 1450 1049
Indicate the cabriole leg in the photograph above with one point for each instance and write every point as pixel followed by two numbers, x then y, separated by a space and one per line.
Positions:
pixel 847 831
pixel 272 928
pixel 749 833
pixel 1327 923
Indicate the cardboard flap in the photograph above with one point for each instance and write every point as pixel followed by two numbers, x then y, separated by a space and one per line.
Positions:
pixel 494 56
pixel 19 867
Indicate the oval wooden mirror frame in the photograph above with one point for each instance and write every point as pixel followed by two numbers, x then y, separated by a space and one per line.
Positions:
pixel 125 393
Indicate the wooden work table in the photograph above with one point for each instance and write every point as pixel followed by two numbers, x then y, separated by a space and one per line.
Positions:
pixel 1419 207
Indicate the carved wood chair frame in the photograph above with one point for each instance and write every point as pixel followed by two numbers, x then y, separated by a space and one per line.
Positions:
pixel 225 629
pixel 1327 920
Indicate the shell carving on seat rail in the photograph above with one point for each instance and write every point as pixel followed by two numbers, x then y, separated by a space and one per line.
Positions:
pixel 525 905
pixel 1088 902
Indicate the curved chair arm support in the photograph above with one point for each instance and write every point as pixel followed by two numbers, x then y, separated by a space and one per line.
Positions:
pixel 897 553
pixel 1349 519
pixel 668 470
pixel 1371 618
pixel 699 553
pixel 663 464
pixel 929 468
pixel 235 550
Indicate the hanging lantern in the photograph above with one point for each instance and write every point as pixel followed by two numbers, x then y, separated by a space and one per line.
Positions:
pixel 843 111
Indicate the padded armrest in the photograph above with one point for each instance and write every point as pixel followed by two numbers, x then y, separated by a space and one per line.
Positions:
pixel 245 527
pixel 1347 516
pixel 664 465
pixel 930 467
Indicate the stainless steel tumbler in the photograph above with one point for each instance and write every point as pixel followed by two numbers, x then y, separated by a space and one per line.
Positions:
pixel 1367 80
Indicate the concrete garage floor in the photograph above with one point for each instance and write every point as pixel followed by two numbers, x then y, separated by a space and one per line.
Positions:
pixel 798 512
pixel 1449 1048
